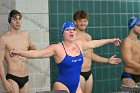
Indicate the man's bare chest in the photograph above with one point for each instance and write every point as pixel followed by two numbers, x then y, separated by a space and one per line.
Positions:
pixel 136 48
pixel 17 43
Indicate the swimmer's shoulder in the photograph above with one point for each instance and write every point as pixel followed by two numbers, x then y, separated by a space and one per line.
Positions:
pixel 126 42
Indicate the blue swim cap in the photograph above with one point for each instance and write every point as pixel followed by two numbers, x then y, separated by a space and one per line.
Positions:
pixel 67 25
pixel 132 22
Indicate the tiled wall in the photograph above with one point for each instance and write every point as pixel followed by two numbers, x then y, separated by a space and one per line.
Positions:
pixel 36 22
pixel 107 19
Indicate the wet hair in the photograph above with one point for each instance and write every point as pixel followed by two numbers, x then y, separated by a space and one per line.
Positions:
pixel 80 14
pixel 12 14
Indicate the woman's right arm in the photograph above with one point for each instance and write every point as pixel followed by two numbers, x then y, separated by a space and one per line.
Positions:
pixel 46 52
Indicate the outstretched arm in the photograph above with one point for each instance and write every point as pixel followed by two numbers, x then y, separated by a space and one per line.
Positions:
pixel 47 52
pixel 98 43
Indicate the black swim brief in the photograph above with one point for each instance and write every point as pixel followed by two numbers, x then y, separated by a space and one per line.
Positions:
pixel 86 75
pixel 21 81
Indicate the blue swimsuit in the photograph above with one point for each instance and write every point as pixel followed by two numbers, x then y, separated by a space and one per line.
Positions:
pixel 69 71
pixel 134 77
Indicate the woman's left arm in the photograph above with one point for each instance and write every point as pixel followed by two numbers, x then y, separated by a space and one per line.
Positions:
pixel 98 43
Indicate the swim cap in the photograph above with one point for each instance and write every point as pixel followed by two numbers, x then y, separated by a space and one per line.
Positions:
pixel 132 22
pixel 67 25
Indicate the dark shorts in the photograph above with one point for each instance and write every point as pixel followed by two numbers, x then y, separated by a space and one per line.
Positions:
pixel 21 81
pixel 86 75
pixel 134 77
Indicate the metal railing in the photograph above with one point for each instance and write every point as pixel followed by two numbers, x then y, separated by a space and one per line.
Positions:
pixel 127 89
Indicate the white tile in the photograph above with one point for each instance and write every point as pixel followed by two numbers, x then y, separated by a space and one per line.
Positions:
pixel 3 23
pixel 32 6
pixel 35 21
pixel 6 5
pixel 1 86
pixel 41 81
pixel 31 81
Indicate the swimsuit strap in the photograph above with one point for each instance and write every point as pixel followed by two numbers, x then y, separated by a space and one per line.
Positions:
pixel 64 48
pixel 77 46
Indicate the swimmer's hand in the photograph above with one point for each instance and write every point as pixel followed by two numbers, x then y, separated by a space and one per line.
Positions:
pixel 114 60
pixel 13 53
pixel 7 86
pixel 115 41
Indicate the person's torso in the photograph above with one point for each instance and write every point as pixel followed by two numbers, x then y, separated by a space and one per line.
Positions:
pixel 135 46
pixel 86 53
pixel 17 65
pixel 70 64
pixel 69 68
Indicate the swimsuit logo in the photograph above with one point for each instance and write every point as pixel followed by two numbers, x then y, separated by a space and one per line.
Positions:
pixel 76 60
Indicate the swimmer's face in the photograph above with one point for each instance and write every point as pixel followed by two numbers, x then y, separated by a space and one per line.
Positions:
pixel 137 28
pixel 69 33
pixel 81 24
pixel 16 22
